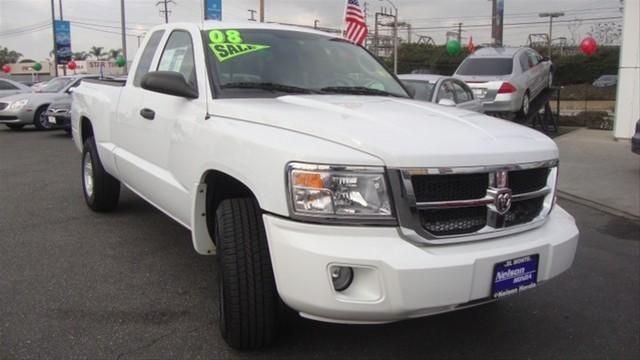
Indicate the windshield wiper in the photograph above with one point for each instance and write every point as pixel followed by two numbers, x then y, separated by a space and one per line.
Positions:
pixel 358 90
pixel 269 86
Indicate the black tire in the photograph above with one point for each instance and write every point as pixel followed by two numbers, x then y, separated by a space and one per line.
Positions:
pixel 103 193
pixel 524 111
pixel 249 302
pixel 39 121
pixel 15 126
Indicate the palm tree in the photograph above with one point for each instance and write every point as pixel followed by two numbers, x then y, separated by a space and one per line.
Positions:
pixel 96 51
pixel 9 56
pixel 114 53
pixel 80 55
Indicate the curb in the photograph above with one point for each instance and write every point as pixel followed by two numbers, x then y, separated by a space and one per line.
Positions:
pixel 596 205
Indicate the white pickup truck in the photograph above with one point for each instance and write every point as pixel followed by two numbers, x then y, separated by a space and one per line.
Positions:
pixel 304 164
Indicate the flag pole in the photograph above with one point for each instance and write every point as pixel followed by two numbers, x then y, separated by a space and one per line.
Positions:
pixel 344 18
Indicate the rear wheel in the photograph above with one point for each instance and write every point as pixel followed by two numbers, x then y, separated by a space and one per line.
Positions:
pixel 40 121
pixel 249 300
pixel 15 126
pixel 101 190
pixel 526 103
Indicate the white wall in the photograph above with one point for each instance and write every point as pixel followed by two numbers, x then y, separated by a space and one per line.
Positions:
pixel 628 95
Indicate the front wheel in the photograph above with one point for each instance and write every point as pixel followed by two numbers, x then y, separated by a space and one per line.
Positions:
pixel 248 297
pixel 101 190
pixel 39 120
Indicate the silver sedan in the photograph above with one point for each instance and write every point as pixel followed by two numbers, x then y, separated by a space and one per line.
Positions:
pixel 506 79
pixel 442 90
pixel 19 110
pixel 10 87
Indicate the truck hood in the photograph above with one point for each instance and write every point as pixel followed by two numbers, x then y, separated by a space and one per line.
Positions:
pixel 400 132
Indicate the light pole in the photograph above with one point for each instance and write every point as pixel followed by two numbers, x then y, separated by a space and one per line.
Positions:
pixel 124 35
pixel 551 16
pixel 395 36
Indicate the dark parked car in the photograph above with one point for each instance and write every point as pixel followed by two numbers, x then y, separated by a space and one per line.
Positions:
pixel 635 140
pixel 58 114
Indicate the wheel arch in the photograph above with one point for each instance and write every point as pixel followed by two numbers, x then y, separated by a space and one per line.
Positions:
pixel 214 187
pixel 86 128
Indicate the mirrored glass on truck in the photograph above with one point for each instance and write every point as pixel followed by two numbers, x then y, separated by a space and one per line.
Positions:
pixel 486 66
pixel 275 61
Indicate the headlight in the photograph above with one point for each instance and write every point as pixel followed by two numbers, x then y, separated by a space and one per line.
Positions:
pixel 18 104
pixel 339 193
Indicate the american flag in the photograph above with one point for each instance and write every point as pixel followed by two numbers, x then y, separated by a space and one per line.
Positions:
pixel 356 24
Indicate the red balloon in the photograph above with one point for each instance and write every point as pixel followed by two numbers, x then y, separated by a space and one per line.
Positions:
pixel 589 46
pixel 71 65
pixel 6 68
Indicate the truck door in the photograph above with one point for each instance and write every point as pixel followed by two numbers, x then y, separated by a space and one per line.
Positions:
pixel 157 133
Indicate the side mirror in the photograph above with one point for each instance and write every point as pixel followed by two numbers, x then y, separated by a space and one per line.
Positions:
pixel 168 82
pixel 545 58
pixel 411 90
pixel 446 102
pixel 70 90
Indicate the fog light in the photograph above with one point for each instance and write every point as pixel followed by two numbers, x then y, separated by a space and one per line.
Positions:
pixel 341 276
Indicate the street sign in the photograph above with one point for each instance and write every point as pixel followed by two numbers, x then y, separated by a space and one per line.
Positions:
pixel 62 33
pixel 213 10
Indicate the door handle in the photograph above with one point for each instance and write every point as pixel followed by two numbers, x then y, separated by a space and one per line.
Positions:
pixel 148 114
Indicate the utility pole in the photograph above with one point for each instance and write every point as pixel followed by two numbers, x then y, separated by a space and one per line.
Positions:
pixel 64 67
pixel 459 32
pixel 253 13
pixel 166 10
pixel 124 35
pixel 551 16
pixel 315 23
pixel 261 10
pixel 53 28
pixel 375 35
pixel 395 36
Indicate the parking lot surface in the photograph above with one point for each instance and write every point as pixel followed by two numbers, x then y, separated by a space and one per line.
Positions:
pixel 128 284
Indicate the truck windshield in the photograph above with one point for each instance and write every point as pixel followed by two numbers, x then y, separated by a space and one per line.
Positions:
pixel 259 62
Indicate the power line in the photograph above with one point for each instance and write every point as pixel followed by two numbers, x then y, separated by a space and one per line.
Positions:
pixel 515 24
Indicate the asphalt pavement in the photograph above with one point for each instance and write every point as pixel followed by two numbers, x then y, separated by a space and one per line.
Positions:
pixel 76 284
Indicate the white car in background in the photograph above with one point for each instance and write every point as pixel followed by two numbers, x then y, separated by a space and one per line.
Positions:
pixel 442 90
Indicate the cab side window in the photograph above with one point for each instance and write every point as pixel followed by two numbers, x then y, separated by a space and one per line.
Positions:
pixel 178 56
pixel 147 56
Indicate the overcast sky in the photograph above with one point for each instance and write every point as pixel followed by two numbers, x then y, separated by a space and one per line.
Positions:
pixel 25 24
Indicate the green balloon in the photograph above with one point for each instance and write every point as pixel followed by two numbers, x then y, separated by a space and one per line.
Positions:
pixel 120 61
pixel 453 47
pixel 37 66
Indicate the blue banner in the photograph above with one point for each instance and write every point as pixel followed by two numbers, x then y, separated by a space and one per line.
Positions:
pixel 213 10
pixel 62 34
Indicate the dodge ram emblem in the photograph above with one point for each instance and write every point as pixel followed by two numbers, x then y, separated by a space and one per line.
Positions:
pixel 503 200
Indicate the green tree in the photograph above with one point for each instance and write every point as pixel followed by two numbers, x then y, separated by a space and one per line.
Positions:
pixel 96 52
pixel 9 56
pixel 80 55
pixel 114 53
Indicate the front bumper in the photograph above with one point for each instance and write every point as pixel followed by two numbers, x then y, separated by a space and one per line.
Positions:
pixel 22 116
pixel 58 119
pixel 395 279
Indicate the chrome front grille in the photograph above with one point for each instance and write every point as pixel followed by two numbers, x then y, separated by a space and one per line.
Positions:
pixel 467 203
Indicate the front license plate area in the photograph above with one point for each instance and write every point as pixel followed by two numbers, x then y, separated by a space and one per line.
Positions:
pixel 52 119
pixel 515 275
